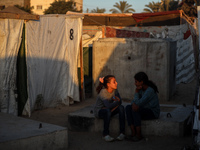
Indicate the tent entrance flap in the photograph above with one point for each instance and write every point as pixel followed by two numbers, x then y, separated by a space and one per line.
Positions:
pixel 22 75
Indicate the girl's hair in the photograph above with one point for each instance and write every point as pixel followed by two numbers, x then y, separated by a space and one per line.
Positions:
pixel 106 80
pixel 141 76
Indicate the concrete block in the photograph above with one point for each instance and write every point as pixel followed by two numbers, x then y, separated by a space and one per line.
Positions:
pixel 23 134
pixel 124 57
pixel 172 122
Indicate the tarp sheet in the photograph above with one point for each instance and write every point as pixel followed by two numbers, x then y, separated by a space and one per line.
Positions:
pixel 89 41
pixel 10 39
pixel 53 45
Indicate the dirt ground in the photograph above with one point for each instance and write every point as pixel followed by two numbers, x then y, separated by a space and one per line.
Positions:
pixel 185 94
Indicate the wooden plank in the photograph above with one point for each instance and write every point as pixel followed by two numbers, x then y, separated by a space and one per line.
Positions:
pixel 108 21
pixel 108 15
pixel 19 16
pixel 171 19
pixel 103 31
pixel 198 16
pixel 122 21
pixel 82 92
pixel 181 17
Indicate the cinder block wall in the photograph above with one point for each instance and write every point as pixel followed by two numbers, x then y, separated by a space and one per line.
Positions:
pixel 124 57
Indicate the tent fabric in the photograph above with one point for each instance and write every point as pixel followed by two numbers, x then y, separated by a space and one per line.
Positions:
pixel 52 46
pixel 22 76
pixel 13 12
pixel 10 39
pixel 13 9
pixel 142 16
pixel 89 41
pixel 120 33
pixel 185 65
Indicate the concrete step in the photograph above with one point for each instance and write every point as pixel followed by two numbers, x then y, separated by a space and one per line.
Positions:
pixel 173 121
pixel 23 134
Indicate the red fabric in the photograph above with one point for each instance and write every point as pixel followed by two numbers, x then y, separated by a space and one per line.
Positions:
pixel 142 16
pixel 187 34
pixel 111 32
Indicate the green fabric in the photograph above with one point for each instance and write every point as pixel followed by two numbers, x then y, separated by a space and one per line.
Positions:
pixel 22 75
pixel 87 66
pixel 87 61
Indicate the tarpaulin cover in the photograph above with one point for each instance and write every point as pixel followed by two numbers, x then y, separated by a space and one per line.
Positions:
pixel 10 39
pixel 53 45
pixel 120 33
pixel 89 41
pixel 142 16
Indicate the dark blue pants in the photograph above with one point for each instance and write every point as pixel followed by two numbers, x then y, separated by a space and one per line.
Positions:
pixel 106 115
pixel 134 117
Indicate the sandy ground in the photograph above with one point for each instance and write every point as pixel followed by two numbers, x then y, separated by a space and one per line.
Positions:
pixel 185 94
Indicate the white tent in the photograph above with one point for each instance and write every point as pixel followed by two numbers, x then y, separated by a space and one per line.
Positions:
pixel 52 59
pixel 10 39
pixel 52 50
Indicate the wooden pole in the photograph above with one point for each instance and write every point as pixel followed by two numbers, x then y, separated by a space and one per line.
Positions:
pixel 82 96
pixel 103 31
pixel 181 17
pixel 198 16
pixel 19 16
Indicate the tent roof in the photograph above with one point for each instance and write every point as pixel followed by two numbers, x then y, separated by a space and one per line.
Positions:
pixel 12 12
pixel 136 19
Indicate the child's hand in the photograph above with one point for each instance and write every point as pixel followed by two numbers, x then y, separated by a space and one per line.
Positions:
pixel 135 107
pixel 115 98
pixel 138 88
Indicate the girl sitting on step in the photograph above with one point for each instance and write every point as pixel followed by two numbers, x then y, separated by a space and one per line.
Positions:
pixel 145 105
pixel 108 104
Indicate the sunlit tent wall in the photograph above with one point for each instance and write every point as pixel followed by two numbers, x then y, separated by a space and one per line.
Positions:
pixel 11 27
pixel 173 25
pixel 53 46
pixel 10 39
pixel 47 61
